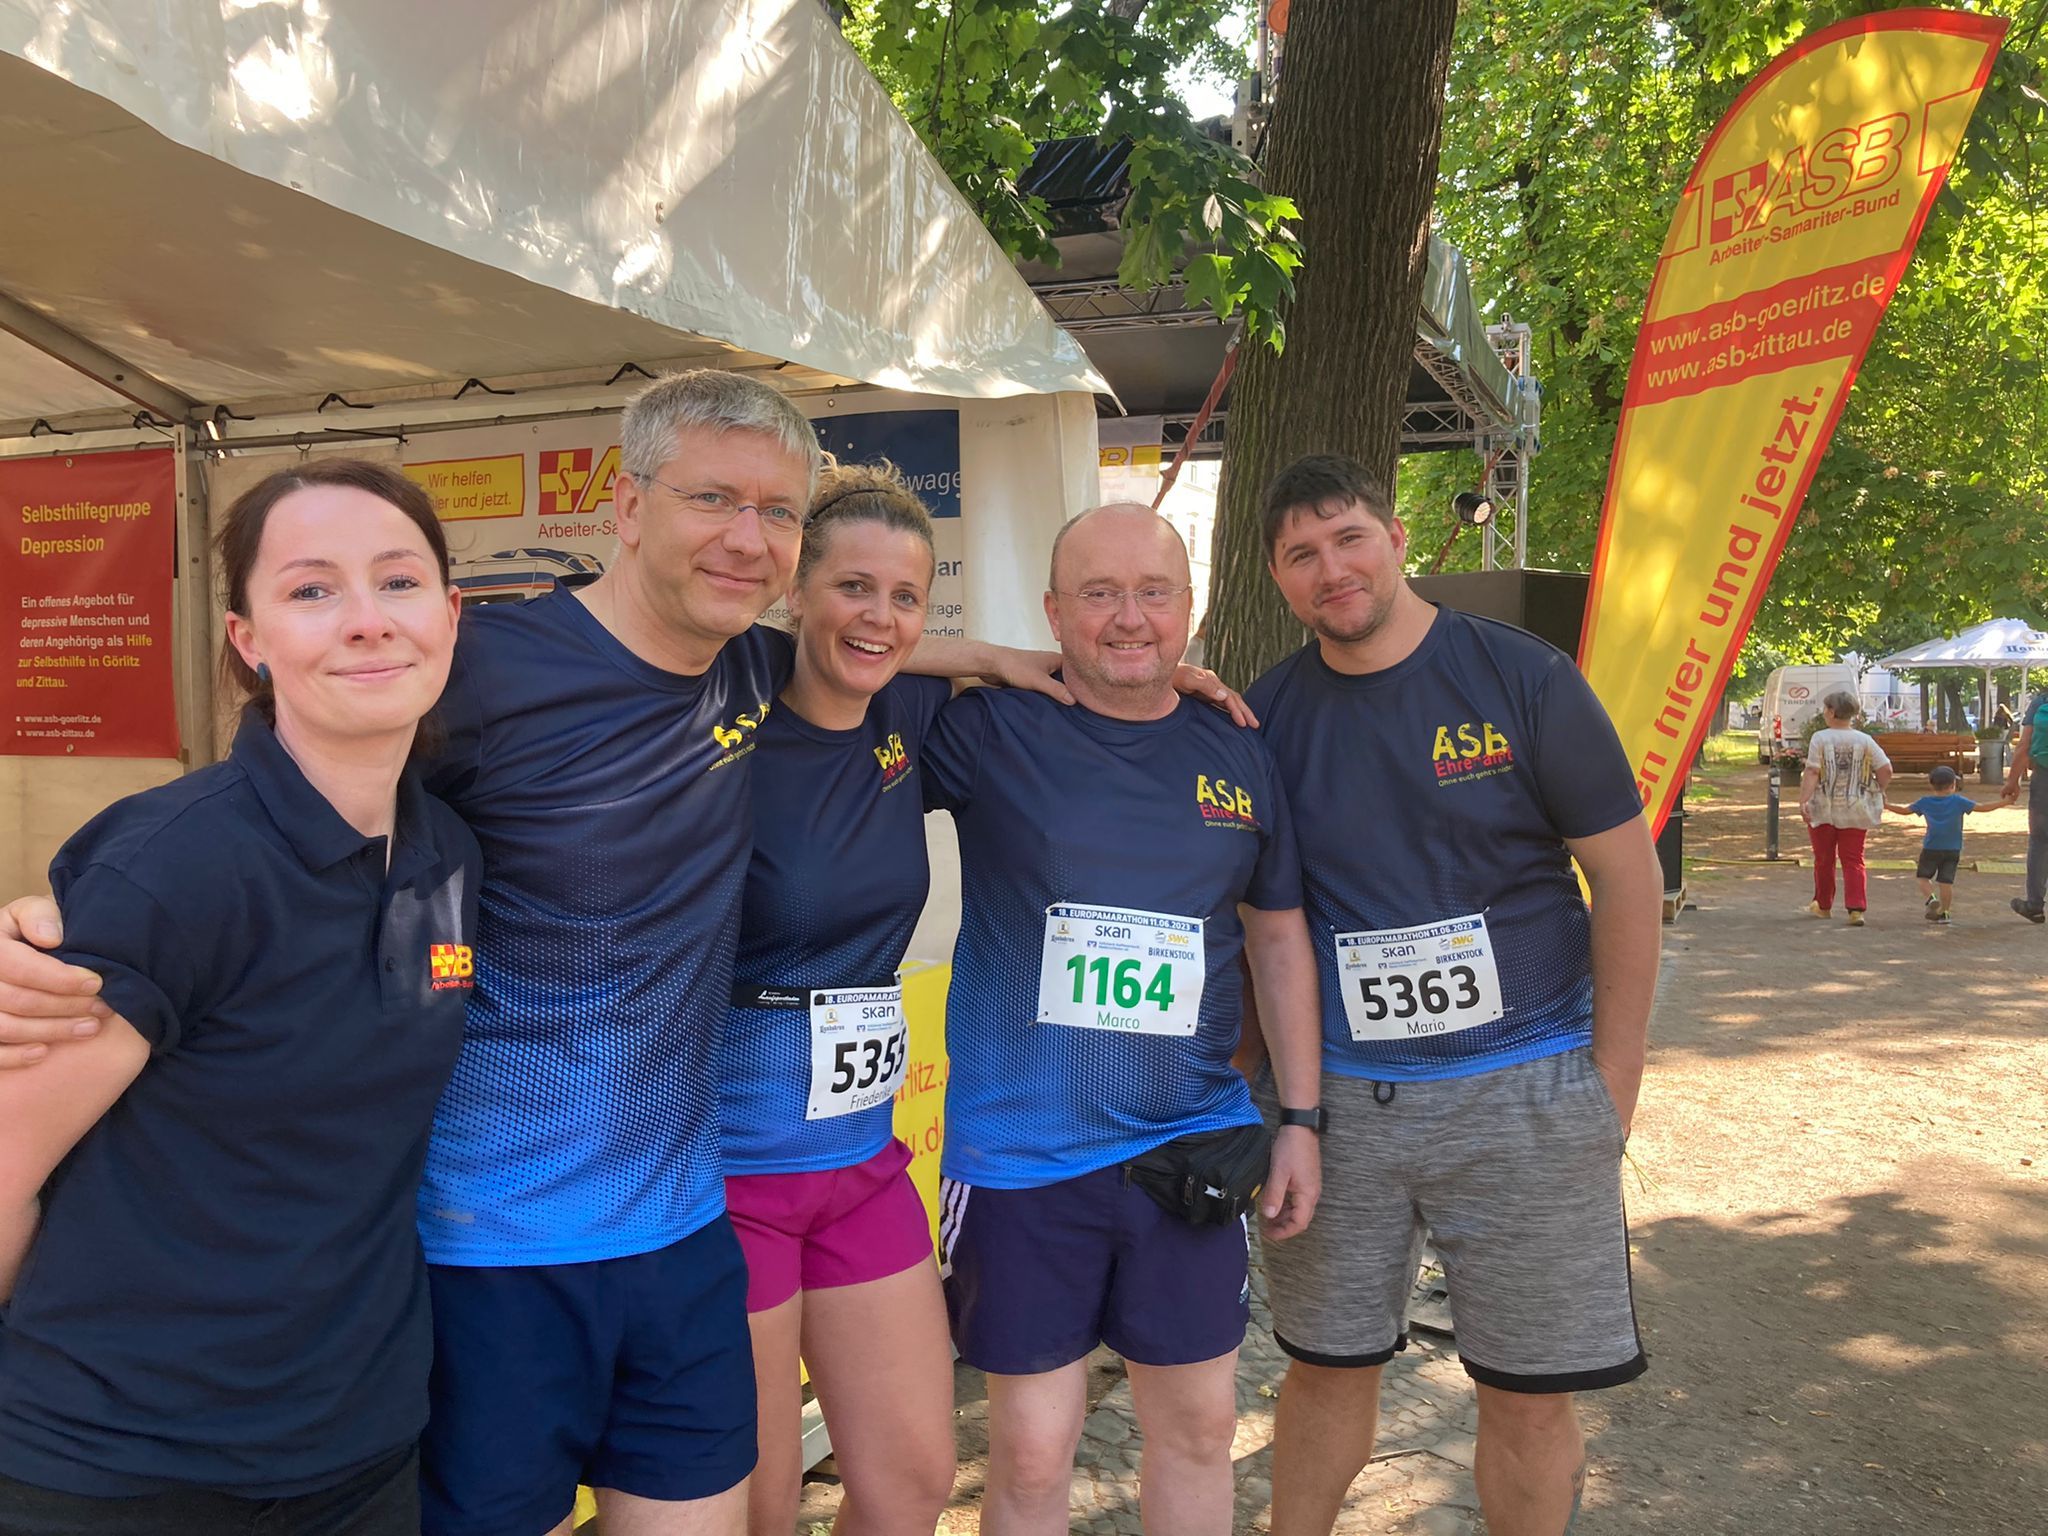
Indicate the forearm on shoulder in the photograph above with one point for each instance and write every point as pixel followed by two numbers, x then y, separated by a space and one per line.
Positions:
pixel 949 656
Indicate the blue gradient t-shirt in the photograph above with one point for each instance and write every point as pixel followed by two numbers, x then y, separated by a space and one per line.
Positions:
pixel 611 801
pixel 1182 817
pixel 833 892
pixel 1435 792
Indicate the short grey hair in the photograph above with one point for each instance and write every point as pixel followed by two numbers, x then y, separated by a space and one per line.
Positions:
pixel 715 399
pixel 1842 704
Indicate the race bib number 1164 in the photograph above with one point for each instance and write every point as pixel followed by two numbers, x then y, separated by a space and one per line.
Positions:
pixel 1122 969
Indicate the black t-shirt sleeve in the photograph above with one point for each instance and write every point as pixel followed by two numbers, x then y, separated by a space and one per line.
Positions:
pixel 148 968
pixel 1582 773
pixel 1276 878
pixel 952 752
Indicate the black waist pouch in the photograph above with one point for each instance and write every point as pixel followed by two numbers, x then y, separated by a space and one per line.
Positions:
pixel 1208 1178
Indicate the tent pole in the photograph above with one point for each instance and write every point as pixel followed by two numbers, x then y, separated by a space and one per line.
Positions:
pixel 102 367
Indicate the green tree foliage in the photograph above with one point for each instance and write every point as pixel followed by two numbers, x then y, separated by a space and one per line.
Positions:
pixel 1571 126
pixel 983 81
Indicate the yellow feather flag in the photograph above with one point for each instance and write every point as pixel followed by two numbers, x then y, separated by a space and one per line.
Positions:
pixel 1791 235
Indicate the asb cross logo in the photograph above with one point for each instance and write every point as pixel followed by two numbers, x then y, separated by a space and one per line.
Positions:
pixel 1813 186
pixel 1224 804
pixel 564 472
pixel 451 965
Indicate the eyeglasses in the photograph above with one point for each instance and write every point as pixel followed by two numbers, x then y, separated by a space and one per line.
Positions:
pixel 1110 599
pixel 717 507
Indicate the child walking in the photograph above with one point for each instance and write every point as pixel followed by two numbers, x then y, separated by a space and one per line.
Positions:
pixel 1942 848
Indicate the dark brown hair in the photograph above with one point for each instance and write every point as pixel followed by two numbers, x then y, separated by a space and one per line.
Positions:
pixel 1322 483
pixel 861 493
pixel 241 536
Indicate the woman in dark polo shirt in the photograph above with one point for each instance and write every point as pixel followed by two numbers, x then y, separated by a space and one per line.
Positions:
pixel 216 1317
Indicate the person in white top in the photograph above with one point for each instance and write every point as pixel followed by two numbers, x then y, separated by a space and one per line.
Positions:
pixel 1842 798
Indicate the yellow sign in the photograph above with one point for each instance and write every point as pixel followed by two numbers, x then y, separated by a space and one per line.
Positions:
pixel 1791 235
pixel 921 1101
pixel 462 488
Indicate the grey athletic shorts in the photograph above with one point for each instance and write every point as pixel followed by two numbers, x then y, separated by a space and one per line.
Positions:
pixel 1515 1175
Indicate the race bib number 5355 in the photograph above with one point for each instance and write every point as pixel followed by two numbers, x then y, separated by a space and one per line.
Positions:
pixel 860 1045
pixel 1410 983
pixel 1118 968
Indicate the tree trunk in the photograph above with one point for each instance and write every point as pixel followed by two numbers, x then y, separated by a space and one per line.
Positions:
pixel 1354 138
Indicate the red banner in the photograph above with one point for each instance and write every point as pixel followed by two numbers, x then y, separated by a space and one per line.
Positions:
pixel 85 604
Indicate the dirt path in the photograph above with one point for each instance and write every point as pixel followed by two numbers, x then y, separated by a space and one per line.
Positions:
pixel 1842 1236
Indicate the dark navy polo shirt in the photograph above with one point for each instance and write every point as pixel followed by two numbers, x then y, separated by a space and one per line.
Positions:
pixel 1055 804
pixel 834 889
pixel 226 1290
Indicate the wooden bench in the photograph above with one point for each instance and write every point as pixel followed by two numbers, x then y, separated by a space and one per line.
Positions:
pixel 1918 751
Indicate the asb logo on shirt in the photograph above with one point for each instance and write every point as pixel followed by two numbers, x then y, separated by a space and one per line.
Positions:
pixel 1224 804
pixel 451 965
pixel 895 761
pixel 1466 751
pixel 734 740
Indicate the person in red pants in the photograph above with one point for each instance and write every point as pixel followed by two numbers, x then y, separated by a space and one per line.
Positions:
pixel 1842 798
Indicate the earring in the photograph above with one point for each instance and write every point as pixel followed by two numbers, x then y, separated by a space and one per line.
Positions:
pixel 262 671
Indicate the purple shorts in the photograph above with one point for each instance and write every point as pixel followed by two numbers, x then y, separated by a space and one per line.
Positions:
pixel 1036 1278
pixel 834 1227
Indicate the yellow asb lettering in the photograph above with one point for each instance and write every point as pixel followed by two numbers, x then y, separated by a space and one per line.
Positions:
pixel 892 755
pixel 1467 740
pixel 1222 794
pixel 729 737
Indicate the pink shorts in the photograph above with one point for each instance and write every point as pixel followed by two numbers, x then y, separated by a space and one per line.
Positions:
pixel 838 1226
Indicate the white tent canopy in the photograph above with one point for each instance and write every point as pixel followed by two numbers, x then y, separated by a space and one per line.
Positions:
pixel 1997 643
pixel 211 201
pixel 1981 648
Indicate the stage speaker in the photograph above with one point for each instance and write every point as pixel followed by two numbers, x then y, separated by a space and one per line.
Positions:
pixel 1551 604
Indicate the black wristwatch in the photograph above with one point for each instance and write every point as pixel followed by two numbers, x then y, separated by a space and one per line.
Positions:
pixel 1317 1119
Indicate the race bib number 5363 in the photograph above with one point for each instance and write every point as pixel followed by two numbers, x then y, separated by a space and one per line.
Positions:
pixel 1411 983
pixel 1118 968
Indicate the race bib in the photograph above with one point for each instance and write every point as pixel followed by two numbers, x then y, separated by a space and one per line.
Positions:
pixel 1408 983
pixel 860 1045
pixel 1114 968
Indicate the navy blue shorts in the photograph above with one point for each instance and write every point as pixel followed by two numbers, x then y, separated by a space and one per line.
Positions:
pixel 635 1374
pixel 1036 1278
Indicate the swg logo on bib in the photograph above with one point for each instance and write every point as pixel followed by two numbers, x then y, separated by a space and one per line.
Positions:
pixel 1467 750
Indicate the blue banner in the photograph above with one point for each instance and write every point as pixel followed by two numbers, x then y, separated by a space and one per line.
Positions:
pixel 925 445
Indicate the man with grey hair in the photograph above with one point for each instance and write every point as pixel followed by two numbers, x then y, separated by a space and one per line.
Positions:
pixel 1116 859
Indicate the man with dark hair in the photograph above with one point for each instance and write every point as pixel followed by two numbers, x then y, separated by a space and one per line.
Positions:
pixel 1483 1033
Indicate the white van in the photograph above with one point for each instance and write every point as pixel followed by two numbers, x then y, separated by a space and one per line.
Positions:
pixel 1792 697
